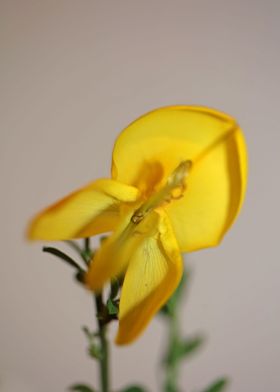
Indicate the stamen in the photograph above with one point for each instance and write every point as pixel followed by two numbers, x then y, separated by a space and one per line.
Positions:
pixel 174 189
pixel 179 175
pixel 137 217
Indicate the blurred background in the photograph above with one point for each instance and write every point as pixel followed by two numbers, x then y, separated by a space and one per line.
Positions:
pixel 73 74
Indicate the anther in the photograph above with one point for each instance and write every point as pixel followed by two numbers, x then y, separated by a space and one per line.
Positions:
pixel 137 217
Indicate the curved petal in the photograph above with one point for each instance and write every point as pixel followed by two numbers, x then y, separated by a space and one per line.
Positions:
pixel 214 195
pixel 162 139
pixel 91 210
pixel 154 272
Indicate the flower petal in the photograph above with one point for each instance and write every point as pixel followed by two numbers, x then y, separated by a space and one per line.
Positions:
pixel 163 138
pixel 214 195
pixel 113 256
pixel 111 259
pixel 91 210
pixel 154 271
pixel 157 142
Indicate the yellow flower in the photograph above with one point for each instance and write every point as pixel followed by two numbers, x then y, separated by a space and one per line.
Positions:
pixel 178 182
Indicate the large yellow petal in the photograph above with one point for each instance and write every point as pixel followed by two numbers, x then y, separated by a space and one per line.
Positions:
pixel 214 195
pixel 154 271
pixel 156 143
pixel 163 138
pixel 91 210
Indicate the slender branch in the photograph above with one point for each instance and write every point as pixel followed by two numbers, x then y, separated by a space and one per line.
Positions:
pixel 101 321
pixel 104 359
pixel 171 359
pixel 87 245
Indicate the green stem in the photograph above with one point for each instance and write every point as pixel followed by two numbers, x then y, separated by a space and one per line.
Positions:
pixel 99 305
pixel 104 359
pixel 87 244
pixel 171 358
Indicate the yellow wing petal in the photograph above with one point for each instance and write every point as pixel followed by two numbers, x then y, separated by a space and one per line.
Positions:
pixel 113 256
pixel 156 143
pixel 111 259
pixel 91 210
pixel 154 271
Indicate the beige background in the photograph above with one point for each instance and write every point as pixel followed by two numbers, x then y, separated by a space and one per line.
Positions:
pixel 73 74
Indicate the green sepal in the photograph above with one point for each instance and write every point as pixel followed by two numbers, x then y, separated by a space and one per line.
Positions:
pixel 218 386
pixel 112 307
pixel 134 388
pixel 81 388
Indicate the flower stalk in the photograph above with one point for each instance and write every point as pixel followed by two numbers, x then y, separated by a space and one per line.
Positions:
pixel 178 348
pixel 171 359
pixel 101 313
pixel 104 347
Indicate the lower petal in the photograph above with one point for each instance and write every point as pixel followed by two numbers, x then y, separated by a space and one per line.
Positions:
pixel 154 271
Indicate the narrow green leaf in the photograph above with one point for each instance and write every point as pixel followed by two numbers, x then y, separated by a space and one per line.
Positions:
pixel 112 307
pixel 218 386
pixel 81 388
pixel 134 388
pixel 63 256
pixel 190 345
pixel 89 334
pixel 95 351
